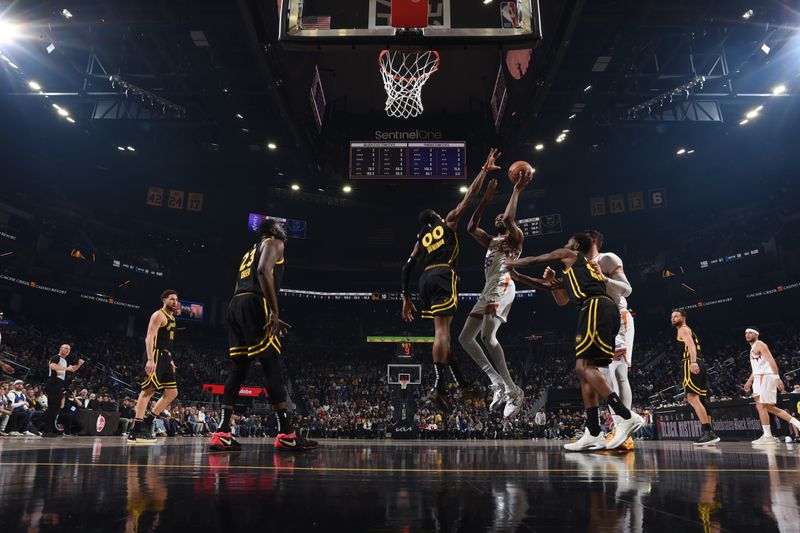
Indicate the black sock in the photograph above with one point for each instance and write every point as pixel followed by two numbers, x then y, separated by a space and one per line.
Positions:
pixel 225 424
pixel 593 421
pixel 284 419
pixel 706 427
pixel 439 384
pixel 458 377
pixel 137 424
pixel 618 407
pixel 148 418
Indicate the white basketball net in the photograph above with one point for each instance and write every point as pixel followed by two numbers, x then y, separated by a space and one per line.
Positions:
pixel 404 73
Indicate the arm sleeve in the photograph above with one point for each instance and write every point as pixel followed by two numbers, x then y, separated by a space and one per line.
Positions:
pixel 618 284
pixel 405 274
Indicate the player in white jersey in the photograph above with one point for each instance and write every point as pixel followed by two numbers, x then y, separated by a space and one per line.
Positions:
pixel 493 305
pixel 765 382
pixel 618 288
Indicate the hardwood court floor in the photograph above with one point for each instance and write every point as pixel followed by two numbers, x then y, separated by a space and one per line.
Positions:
pixel 100 484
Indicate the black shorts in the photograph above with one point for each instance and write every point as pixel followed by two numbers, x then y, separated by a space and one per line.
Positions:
pixel 438 291
pixel 695 383
pixel 598 325
pixel 164 376
pixel 247 321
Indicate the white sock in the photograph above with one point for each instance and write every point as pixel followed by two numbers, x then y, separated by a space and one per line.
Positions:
pixel 767 430
pixel 795 422
pixel 489 336
pixel 468 341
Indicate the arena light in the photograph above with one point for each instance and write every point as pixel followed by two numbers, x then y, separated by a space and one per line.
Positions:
pixel 748 14
pixel 690 152
pixel 779 90
pixel 131 148
pixel 743 122
pixel 539 147
pixel 71 120
pixel 9 32
pixel 765 48
pixel 587 89
pixel 272 146
pixel 347 189
pixel 63 112
pixel 753 113
pixel 121 148
pixel 66 14
pixel 463 189
pixel 681 151
pixel 295 187
pixel 35 86
pixel 486 2
pixel 239 116
pixel 572 116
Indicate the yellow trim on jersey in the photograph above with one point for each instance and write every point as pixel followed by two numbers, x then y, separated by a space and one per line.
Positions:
pixel 573 281
pixel 153 380
pixel 447 305
pixel 455 250
pixel 687 379
pixel 262 345
pixel 591 337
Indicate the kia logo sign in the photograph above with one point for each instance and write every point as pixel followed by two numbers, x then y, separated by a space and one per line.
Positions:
pixel 407 428
pixel 101 423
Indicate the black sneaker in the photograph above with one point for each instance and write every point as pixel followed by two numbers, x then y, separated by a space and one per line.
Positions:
pixel 473 392
pixel 50 435
pixel 708 438
pixel 141 437
pixel 438 400
pixel 131 437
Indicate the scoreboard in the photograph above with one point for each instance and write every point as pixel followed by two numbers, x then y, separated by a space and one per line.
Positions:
pixel 408 160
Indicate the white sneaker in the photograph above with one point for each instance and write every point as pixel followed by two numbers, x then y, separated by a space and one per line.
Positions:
pixel 29 434
pixel 587 443
pixel 498 398
pixel 14 434
pixel 513 403
pixel 769 440
pixel 788 440
pixel 625 429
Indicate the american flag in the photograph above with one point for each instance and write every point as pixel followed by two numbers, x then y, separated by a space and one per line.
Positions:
pixel 316 23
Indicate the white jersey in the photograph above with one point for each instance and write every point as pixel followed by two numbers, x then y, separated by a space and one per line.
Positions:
pixel 609 262
pixel 759 363
pixel 495 268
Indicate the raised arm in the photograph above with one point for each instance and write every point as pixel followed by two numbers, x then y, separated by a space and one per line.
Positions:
pixel 455 215
pixel 474 221
pixel 563 255
pixel 405 280
pixel 510 214
pixel 272 253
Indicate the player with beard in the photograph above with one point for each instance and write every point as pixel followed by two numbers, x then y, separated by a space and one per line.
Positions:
pixel 494 304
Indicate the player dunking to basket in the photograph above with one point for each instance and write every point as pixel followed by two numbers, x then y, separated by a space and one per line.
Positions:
pixel 765 380
pixel 618 288
pixel 492 308
pixel 598 324
pixel 254 327
pixel 436 250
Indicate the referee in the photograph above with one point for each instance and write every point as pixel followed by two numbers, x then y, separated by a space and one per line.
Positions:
pixel 54 389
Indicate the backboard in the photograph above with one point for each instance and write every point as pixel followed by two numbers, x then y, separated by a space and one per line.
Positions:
pixel 412 372
pixel 322 23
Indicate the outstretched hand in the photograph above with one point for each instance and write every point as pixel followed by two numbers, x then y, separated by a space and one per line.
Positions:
pixel 490 165
pixel 523 181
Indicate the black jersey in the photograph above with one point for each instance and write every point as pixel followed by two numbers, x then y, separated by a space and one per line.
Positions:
pixel 439 245
pixel 248 270
pixel 165 338
pixel 582 281
pixel 685 349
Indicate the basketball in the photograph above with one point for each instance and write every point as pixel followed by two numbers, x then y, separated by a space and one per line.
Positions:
pixel 516 170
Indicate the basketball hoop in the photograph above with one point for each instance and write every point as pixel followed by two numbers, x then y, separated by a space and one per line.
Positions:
pixel 404 73
pixel 404 380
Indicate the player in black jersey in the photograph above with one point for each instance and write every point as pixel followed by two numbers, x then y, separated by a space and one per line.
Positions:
pixel 695 378
pixel 598 324
pixel 254 330
pixel 436 251
pixel 159 369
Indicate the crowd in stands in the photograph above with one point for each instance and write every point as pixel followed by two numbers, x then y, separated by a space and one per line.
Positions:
pixel 344 394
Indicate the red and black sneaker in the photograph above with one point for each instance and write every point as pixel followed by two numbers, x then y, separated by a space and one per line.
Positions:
pixel 224 442
pixel 292 443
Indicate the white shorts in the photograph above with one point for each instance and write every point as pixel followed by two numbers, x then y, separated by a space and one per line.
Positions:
pixel 765 387
pixel 497 298
pixel 625 336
